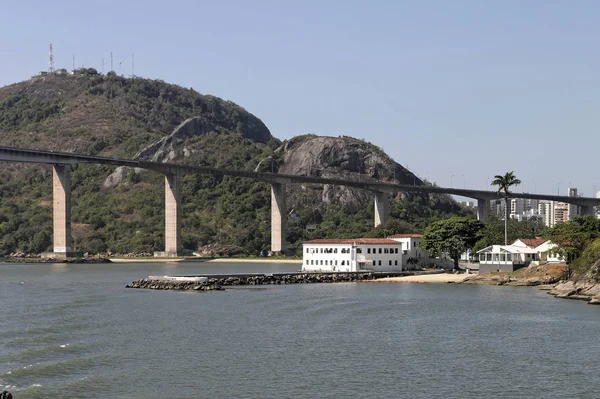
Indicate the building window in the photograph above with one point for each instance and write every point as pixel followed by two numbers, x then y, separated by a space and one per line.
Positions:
pixel 396 262
pixel 379 250
pixel 368 250
pixel 335 250
pixel 321 263
pixel 358 251
pixel 390 263
pixel 336 262
pixel 325 262
pixel 396 250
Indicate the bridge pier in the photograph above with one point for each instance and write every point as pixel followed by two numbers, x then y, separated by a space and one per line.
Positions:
pixel 483 210
pixel 173 242
pixel 586 210
pixel 278 218
pixel 382 207
pixel 61 210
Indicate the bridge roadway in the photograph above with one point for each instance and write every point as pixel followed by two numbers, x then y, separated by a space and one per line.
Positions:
pixel 173 245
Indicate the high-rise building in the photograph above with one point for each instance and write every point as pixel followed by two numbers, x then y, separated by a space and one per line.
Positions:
pixel 561 213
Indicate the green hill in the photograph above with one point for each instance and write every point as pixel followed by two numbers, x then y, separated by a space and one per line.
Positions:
pixel 114 116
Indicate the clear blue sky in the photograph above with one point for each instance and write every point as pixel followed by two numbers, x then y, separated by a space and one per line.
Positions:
pixel 458 91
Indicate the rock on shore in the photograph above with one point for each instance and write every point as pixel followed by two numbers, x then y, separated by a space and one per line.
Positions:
pixel 216 284
pixel 585 289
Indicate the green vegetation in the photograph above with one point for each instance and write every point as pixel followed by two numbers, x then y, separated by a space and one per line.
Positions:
pixel 504 183
pixel 453 236
pixel 578 241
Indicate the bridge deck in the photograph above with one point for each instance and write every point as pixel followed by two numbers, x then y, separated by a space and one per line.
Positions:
pixel 11 154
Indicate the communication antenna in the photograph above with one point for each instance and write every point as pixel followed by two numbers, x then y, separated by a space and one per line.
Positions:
pixel 132 65
pixel 111 62
pixel 73 62
pixel 51 59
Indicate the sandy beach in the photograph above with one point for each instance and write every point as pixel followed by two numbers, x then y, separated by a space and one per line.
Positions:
pixel 257 260
pixel 425 278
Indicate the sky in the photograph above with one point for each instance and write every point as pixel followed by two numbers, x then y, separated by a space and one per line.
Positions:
pixel 456 91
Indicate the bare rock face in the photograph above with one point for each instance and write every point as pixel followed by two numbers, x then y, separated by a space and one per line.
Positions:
pixel 117 177
pixel 171 147
pixel 340 157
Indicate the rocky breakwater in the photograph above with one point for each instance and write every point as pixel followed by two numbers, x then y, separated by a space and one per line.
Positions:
pixel 218 283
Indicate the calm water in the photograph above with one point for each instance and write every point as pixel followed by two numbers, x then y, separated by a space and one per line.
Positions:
pixel 74 331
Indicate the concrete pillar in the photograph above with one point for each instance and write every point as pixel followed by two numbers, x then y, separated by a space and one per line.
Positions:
pixel 173 243
pixel 586 210
pixel 278 218
pixel 483 210
pixel 382 207
pixel 61 208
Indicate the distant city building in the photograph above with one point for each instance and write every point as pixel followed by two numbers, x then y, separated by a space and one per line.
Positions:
pixel 468 204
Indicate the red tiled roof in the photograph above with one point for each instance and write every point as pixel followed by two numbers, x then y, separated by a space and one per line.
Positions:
pixel 533 242
pixel 406 236
pixel 370 241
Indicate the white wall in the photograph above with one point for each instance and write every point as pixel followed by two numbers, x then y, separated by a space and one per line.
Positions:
pixel 412 246
pixel 317 257
pixel 329 257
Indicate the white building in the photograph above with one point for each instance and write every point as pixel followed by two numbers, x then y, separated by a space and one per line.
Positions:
pixel 521 253
pixel 414 254
pixel 352 255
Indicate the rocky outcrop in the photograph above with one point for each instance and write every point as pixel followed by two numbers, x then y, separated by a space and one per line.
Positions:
pixel 337 157
pixel 171 147
pixel 584 289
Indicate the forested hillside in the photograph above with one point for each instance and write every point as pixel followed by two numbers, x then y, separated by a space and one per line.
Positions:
pixel 114 116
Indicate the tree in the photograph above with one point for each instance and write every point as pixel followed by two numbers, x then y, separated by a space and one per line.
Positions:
pixel 504 183
pixel 452 236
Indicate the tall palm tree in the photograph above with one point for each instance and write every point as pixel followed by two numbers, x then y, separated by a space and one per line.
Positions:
pixel 504 183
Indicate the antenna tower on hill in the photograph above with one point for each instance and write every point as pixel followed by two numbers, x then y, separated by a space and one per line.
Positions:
pixel 51 57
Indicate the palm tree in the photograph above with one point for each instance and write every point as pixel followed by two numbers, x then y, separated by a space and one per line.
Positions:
pixel 504 183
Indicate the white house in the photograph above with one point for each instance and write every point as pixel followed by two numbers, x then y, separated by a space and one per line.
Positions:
pixel 546 249
pixel 352 255
pixel 413 253
pixel 508 258
pixel 505 258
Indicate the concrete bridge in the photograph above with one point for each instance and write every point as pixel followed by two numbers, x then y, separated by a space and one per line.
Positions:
pixel 61 175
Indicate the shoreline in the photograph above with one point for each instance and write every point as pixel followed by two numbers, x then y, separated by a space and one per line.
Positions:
pixel 424 278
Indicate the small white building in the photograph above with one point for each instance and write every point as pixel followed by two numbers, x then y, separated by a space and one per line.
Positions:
pixel 352 255
pixel 414 254
pixel 521 253
pixel 505 258
pixel 547 250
